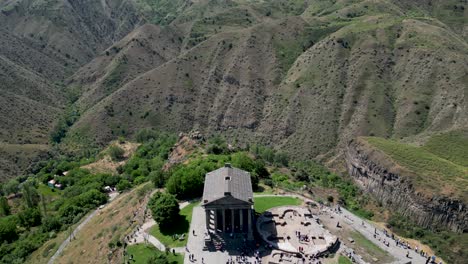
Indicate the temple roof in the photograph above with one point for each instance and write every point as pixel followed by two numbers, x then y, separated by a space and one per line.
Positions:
pixel 227 182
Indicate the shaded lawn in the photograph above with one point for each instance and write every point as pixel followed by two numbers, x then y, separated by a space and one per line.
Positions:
pixel 261 204
pixel 181 226
pixel 142 252
pixel 344 260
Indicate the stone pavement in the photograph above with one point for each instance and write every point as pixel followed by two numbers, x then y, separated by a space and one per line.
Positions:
pixel 196 242
pixel 368 230
pixel 353 221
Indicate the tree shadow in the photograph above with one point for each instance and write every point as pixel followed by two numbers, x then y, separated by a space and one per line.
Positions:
pixel 259 188
pixel 178 227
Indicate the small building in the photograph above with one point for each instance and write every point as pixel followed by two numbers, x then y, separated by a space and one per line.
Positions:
pixel 228 201
pixel 58 186
pixel 51 183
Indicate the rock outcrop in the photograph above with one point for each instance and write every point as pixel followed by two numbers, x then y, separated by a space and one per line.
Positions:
pixel 392 186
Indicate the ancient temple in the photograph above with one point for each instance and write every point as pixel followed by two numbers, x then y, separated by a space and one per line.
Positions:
pixel 228 201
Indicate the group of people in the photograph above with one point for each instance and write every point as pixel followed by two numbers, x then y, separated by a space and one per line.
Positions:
pixel 405 245
pixel 302 238
pixel 192 258
pixel 132 236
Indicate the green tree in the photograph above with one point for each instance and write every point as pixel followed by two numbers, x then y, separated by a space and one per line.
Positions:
pixel 8 231
pixel 158 178
pixel 11 186
pixel 5 209
pixel 281 158
pixel 30 194
pixel 242 161
pixel 116 153
pixel 29 217
pixel 217 145
pixel 51 223
pixel 123 185
pixel 165 209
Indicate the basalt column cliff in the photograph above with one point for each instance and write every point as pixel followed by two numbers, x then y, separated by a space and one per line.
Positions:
pixel 393 187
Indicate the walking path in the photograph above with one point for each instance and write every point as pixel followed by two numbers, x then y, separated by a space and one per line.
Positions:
pixel 142 235
pixel 77 229
pixel 367 229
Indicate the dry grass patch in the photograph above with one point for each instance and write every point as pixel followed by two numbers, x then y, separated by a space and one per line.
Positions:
pixel 106 165
pixel 98 241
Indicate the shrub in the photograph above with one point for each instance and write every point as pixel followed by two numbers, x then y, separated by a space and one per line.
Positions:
pixel 51 223
pixel 8 231
pixel 268 182
pixel 29 217
pixel 158 178
pixel 116 153
pixel 5 209
pixel 11 186
pixel 123 185
pixel 146 135
pixel 139 180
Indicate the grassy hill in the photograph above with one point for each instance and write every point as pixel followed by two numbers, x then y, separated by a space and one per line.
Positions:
pixel 439 166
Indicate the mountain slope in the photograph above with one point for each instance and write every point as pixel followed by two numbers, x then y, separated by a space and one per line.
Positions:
pixel 305 76
pixel 306 83
pixel 41 44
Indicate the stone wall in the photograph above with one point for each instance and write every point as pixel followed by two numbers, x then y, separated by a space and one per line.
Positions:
pixel 394 190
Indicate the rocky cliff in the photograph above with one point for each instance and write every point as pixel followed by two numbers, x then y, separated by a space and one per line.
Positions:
pixel 393 187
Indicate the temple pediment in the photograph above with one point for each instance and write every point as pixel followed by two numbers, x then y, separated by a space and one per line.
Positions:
pixel 228 201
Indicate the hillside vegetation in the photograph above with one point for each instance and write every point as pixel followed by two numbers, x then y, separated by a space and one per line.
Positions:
pixel 439 166
pixel 308 75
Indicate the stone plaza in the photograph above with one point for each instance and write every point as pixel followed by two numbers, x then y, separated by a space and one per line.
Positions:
pixel 224 229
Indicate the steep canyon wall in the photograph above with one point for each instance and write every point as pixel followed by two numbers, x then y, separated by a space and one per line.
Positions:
pixel 392 187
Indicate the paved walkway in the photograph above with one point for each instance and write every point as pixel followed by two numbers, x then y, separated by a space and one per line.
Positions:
pixel 142 235
pixel 196 243
pixel 367 230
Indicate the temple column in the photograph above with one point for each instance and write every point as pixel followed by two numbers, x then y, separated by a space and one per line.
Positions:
pixel 224 220
pixel 232 220
pixel 241 215
pixel 249 220
pixel 207 218
pixel 215 219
